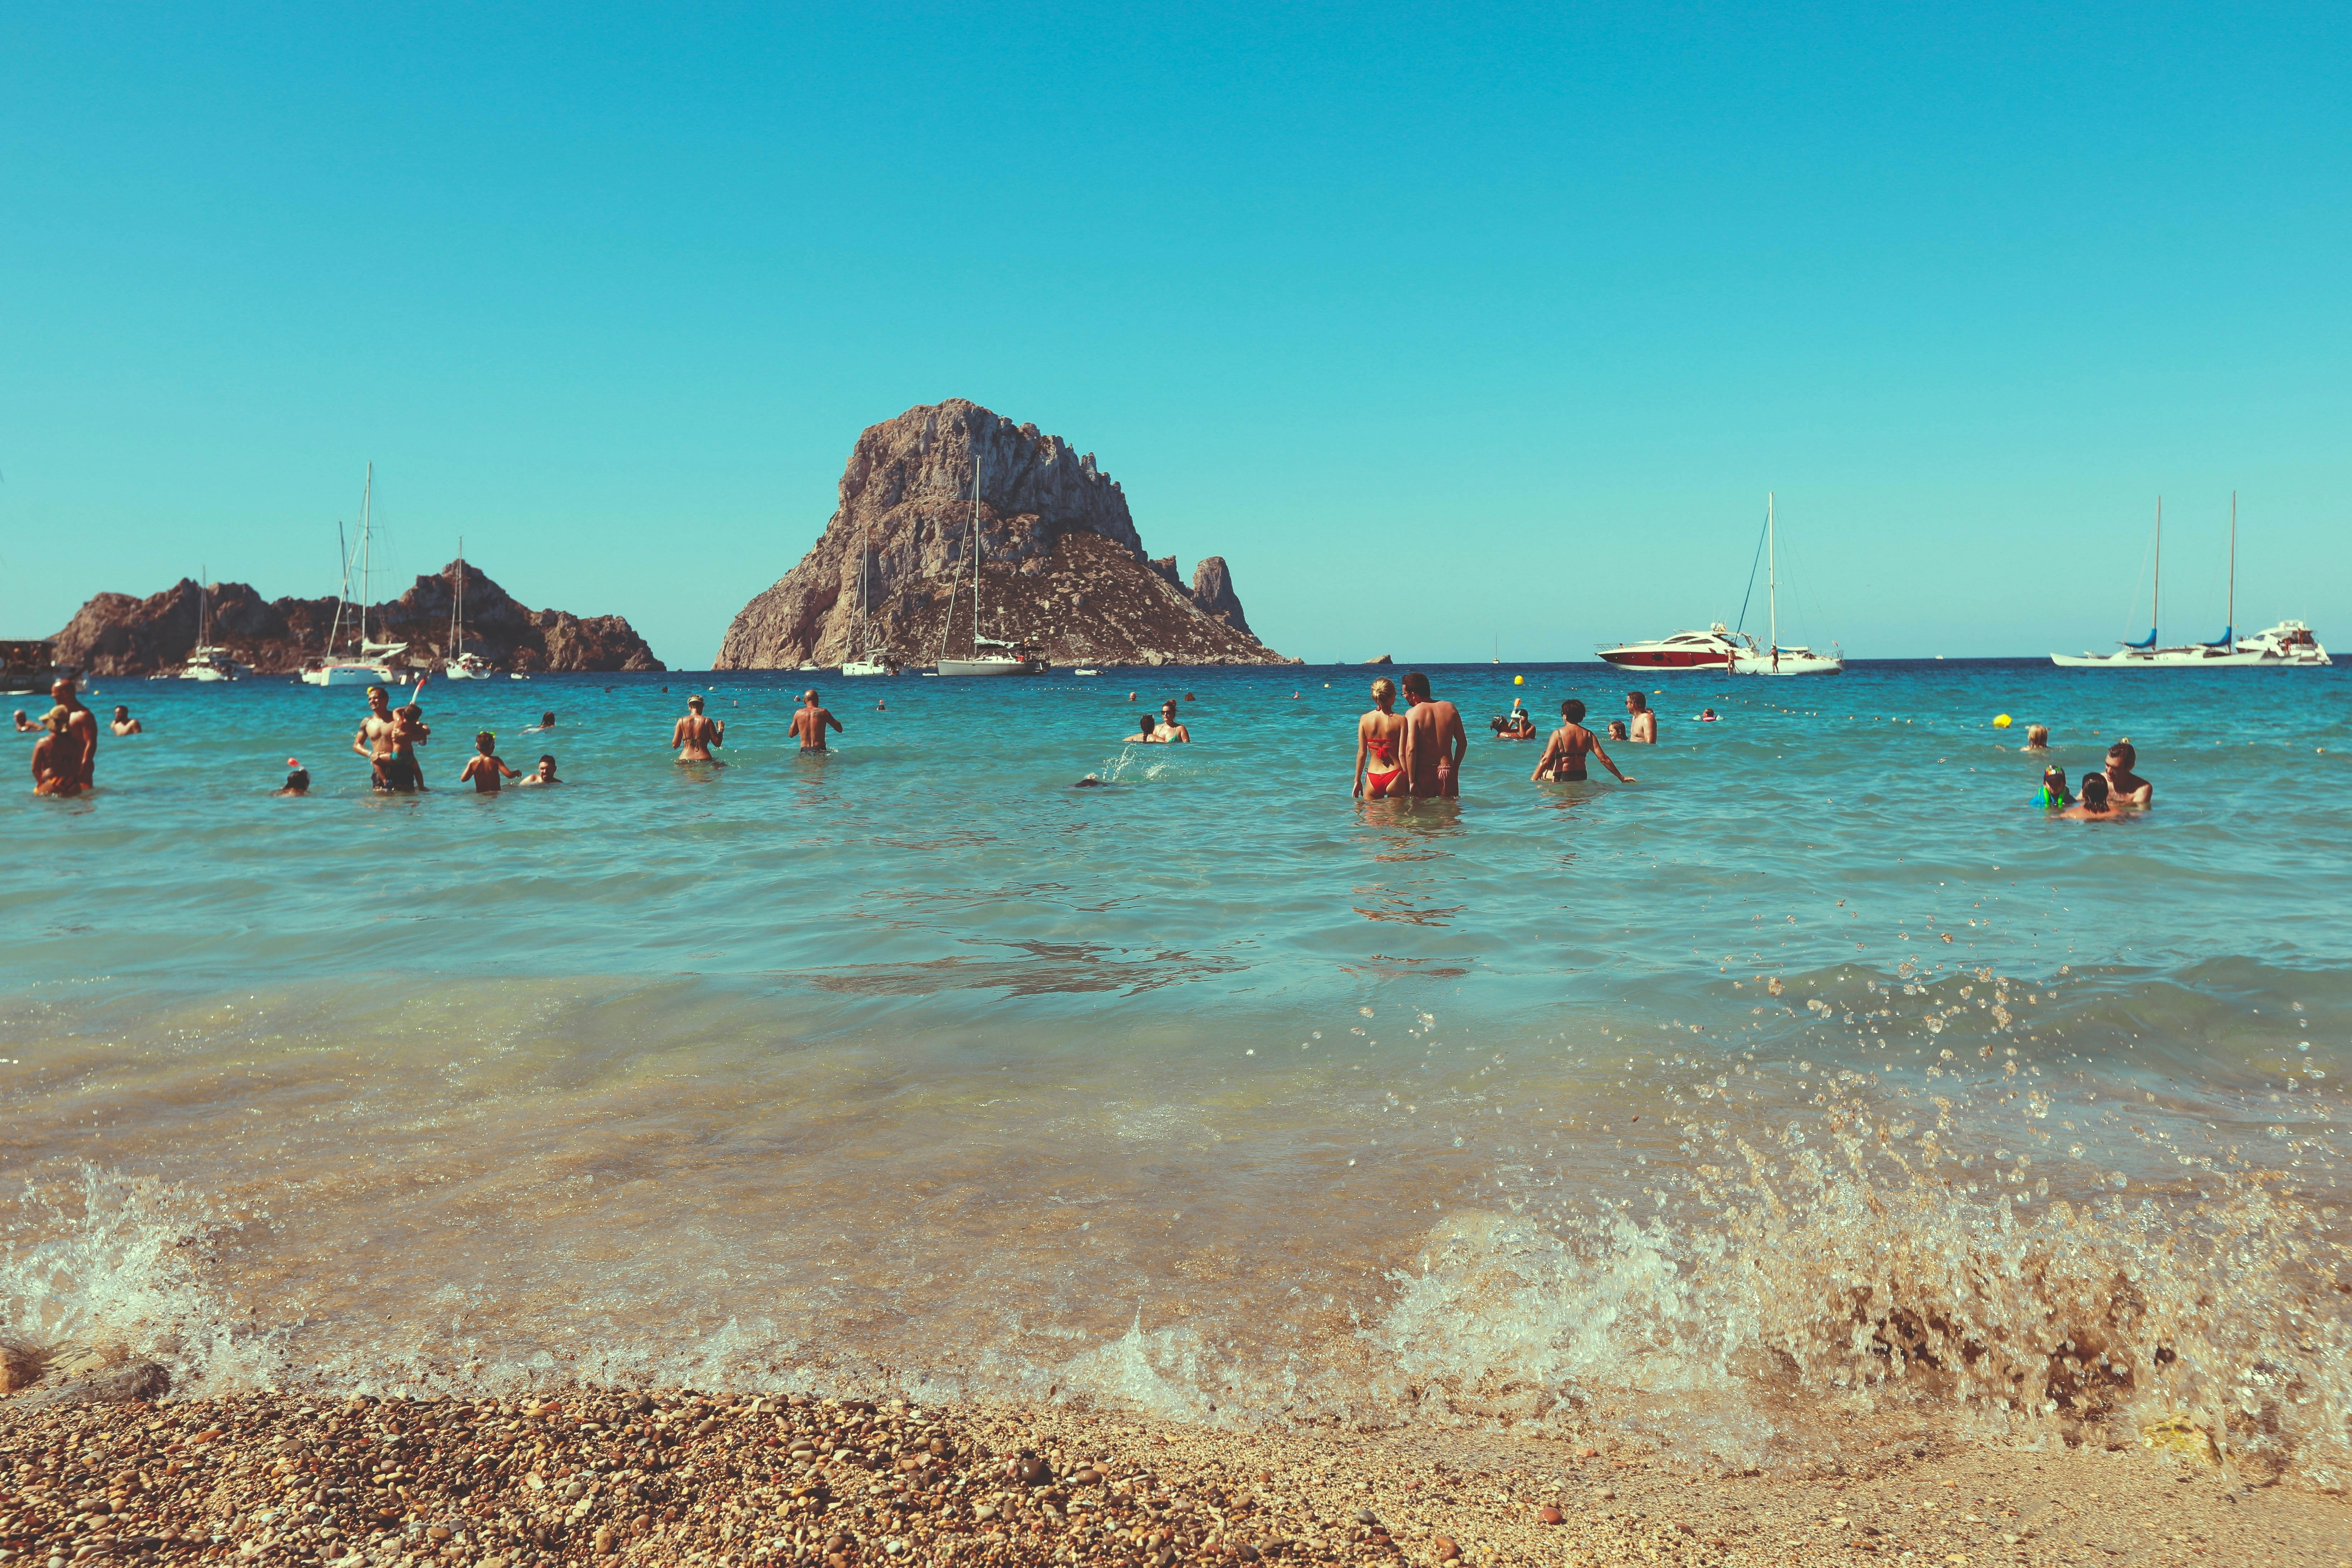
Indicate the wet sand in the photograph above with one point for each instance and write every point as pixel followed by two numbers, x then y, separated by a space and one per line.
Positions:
pixel 670 1477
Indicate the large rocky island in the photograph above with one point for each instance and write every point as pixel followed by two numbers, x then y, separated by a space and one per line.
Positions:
pixel 1061 564
pixel 118 635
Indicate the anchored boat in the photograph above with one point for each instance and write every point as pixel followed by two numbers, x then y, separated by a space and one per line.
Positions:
pixel 2289 644
pixel 988 656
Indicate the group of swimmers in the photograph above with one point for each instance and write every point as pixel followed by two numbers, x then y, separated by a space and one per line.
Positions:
pixel 2106 794
pixel 1418 753
pixel 388 738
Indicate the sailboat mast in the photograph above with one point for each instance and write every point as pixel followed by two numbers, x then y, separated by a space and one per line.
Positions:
pixel 367 554
pixel 2156 590
pixel 1772 569
pixel 2230 631
pixel 975 542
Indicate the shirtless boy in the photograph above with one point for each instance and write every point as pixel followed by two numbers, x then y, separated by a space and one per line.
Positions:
pixel 693 736
pixel 1434 744
pixel 542 774
pixel 485 768
pixel 2124 787
pixel 1564 755
pixel 1379 740
pixel 1644 723
pixel 810 722
pixel 1168 732
pixel 125 724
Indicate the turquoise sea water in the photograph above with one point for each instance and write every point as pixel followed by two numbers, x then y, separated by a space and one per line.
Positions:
pixel 1814 1084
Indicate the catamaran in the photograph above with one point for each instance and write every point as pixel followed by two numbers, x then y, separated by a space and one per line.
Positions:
pixel 2289 644
pixel 462 663
pixel 370 663
pixel 989 656
pixel 867 657
pixel 208 661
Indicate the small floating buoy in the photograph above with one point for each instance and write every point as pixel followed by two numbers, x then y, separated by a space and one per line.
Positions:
pixel 2000 721
pixel 1518 680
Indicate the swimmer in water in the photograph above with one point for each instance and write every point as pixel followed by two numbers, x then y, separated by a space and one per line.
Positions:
pixel 546 722
pixel 1706 716
pixel 25 726
pixel 1144 733
pixel 1380 745
pixel 298 779
pixel 1564 755
pixel 693 736
pixel 125 724
pixel 375 742
pixel 2097 804
pixel 1617 728
pixel 2037 737
pixel 2052 793
pixel 542 774
pixel 410 732
pixel 486 767
pixel 1168 732
pixel 2125 786
pixel 810 722
pixel 1644 730
pixel 1434 742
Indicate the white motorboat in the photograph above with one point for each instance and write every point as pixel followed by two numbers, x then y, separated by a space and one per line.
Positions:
pixel 2288 645
pixel 868 658
pixel 463 663
pixel 988 656
pixel 1719 648
pixel 370 663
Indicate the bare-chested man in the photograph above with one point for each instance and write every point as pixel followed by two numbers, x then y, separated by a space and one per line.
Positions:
pixel 1644 730
pixel 378 741
pixel 67 760
pixel 2126 787
pixel 1563 758
pixel 693 736
pixel 1379 745
pixel 1434 744
pixel 125 724
pixel 810 722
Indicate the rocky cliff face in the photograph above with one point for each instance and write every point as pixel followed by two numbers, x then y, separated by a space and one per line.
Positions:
pixel 115 634
pixel 1061 564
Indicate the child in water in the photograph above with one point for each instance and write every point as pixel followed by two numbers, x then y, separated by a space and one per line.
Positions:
pixel 2053 791
pixel 2097 806
pixel 485 768
pixel 298 779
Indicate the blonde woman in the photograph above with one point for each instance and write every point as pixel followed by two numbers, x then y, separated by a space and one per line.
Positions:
pixel 1379 745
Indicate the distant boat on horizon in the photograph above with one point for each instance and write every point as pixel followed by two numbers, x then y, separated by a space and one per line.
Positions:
pixel 369 664
pixel 989 656
pixel 1733 652
pixel 2290 644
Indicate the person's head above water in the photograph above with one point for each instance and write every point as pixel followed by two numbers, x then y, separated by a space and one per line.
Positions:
pixel 376 697
pixel 121 712
pixel 809 696
pixel 63 690
pixel 547 721
pixel 546 765
pixel 297 777
pixel 1384 691
pixel 1616 729
pixel 2037 734
pixel 486 742
pixel 1416 687
pixel 1169 708
pixel 2094 792
pixel 2123 755
pixel 1635 702
pixel 1572 711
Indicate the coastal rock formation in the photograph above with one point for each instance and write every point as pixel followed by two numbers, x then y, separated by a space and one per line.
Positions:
pixel 116 634
pixel 1061 565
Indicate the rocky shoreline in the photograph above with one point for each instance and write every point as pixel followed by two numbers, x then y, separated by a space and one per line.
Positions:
pixel 682 1477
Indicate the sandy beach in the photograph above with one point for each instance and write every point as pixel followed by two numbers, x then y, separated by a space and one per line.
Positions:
pixel 672 1476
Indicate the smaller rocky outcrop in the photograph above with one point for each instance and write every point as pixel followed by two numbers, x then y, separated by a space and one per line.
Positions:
pixel 1213 590
pixel 116 634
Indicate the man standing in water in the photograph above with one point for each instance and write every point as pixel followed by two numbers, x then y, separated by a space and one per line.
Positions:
pixel 1434 744
pixel 378 741
pixel 693 736
pixel 809 723
pixel 1643 724
pixel 73 759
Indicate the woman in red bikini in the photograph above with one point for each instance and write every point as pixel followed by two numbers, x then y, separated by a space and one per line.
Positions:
pixel 1379 736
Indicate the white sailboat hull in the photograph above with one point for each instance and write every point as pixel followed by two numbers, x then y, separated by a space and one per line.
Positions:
pixel 865 667
pixel 984 666
pixel 1788 661
pixel 345 672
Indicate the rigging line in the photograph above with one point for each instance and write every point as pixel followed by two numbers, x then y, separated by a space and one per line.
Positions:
pixel 1752 565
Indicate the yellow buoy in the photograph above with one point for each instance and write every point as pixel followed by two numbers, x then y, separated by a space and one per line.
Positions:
pixel 1518 680
pixel 2002 723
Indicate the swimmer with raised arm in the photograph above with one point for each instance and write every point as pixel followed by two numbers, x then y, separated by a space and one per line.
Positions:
pixel 693 736
pixel 1564 755
pixel 1380 745
pixel 486 767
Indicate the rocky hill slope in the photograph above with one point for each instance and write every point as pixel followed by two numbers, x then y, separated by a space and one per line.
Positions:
pixel 1061 564
pixel 118 635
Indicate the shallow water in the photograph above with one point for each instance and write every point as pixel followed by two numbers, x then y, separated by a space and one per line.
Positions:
pixel 1816 1084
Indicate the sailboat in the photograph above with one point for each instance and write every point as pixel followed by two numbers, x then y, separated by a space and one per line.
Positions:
pixel 370 663
pixel 989 656
pixel 208 661
pixel 463 663
pixel 2286 645
pixel 1776 659
pixel 868 658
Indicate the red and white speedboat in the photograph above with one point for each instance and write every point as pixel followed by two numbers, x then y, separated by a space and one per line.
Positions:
pixel 1713 648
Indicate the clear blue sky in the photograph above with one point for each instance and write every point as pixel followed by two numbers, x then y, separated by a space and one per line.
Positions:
pixel 1439 323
